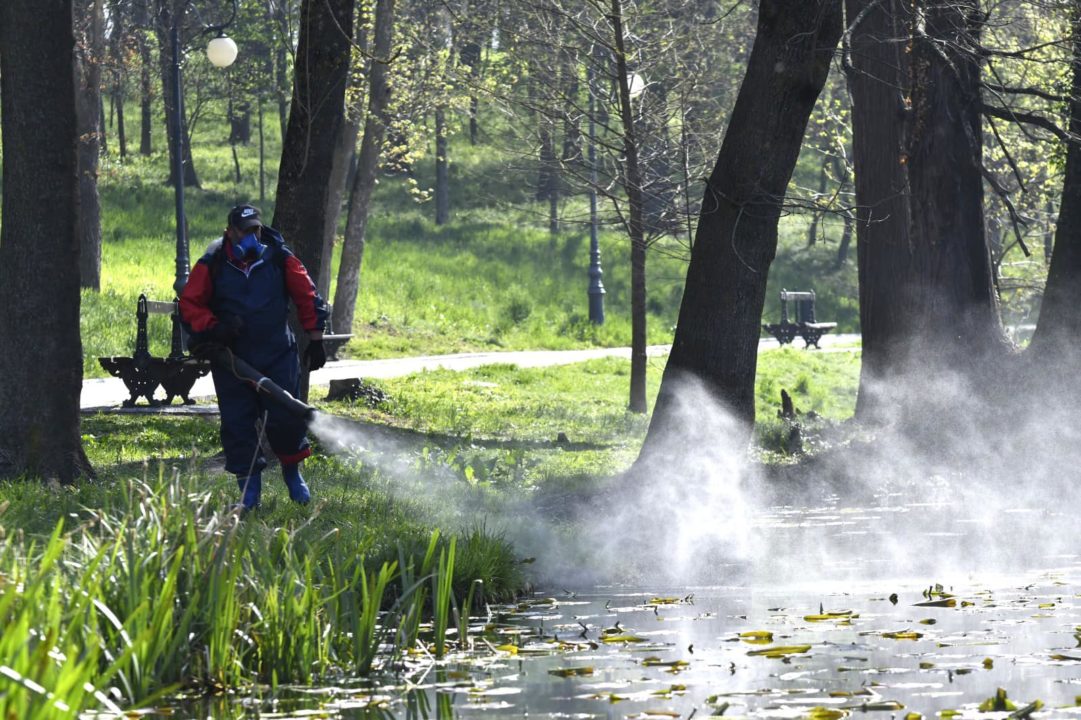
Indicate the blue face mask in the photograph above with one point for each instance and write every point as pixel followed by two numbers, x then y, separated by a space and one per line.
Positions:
pixel 249 249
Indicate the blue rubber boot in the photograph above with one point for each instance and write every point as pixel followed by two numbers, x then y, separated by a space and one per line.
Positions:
pixel 251 489
pixel 298 489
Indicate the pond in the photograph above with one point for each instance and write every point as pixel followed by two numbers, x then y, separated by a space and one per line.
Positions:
pixel 836 614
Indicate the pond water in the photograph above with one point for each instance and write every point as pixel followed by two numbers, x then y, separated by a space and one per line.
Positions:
pixel 842 611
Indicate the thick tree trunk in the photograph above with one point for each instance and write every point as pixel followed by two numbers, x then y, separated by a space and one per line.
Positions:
pixel 878 68
pixel 716 341
pixel 1059 327
pixel 39 245
pixel 345 153
pixel 89 58
pixel 442 174
pixel 316 114
pixel 957 305
pixel 345 297
pixel 632 185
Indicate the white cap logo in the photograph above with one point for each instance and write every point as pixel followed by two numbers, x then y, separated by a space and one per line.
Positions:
pixel 247 212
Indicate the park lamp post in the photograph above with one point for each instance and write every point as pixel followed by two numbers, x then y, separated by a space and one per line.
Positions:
pixel 596 290
pixel 636 84
pixel 221 51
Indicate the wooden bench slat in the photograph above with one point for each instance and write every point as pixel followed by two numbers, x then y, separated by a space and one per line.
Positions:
pixel 159 306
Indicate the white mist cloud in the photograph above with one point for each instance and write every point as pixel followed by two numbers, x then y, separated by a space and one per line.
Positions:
pixel 967 485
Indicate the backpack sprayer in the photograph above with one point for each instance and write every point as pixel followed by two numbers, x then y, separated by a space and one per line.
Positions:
pixel 223 357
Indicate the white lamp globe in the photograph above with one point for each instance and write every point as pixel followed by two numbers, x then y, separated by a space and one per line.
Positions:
pixel 221 51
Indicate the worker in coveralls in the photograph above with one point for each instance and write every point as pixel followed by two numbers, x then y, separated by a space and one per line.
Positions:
pixel 238 296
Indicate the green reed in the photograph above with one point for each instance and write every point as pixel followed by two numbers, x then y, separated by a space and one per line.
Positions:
pixel 160 591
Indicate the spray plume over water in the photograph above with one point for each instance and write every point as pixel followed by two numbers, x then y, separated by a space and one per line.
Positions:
pixel 973 487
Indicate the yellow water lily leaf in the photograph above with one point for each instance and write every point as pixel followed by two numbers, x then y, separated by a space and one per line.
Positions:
pixel 663 601
pixel 756 636
pixel 512 649
pixel 657 662
pixel 824 713
pixel 838 615
pixel 778 651
pixel 948 602
pixel 903 635
pixel 988 663
pixel 571 671
pixel 913 716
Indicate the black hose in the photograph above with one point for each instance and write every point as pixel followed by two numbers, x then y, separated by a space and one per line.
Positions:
pixel 223 357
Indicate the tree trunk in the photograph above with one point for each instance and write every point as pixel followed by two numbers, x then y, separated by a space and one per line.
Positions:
pixel 878 66
pixel 716 341
pixel 957 305
pixel 442 175
pixel 632 185
pixel 1059 327
pixel 240 124
pixel 345 152
pixel 118 98
pixel 146 99
pixel 88 59
pixel 345 297
pixel 316 114
pixel 39 245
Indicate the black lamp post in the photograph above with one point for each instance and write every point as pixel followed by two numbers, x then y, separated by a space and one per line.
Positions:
pixel 221 51
pixel 596 290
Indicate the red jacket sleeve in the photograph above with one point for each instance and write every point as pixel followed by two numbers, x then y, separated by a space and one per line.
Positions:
pixel 311 309
pixel 195 299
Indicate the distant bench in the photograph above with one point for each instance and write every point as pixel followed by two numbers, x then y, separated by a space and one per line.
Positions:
pixel 805 325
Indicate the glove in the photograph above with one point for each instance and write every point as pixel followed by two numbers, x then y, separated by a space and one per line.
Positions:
pixel 315 356
pixel 225 332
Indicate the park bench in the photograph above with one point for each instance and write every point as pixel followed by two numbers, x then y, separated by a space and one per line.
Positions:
pixel 333 342
pixel 143 373
pixel 805 326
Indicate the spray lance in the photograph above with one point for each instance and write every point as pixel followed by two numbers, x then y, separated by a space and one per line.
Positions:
pixel 223 357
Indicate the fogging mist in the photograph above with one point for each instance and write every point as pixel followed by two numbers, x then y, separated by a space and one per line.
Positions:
pixel 953 495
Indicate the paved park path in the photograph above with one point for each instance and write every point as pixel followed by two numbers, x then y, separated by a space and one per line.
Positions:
pixel 108 393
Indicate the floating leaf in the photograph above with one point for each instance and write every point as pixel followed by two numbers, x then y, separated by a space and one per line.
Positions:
pixel 913 716
pixel 824 713
pixel 671 664
pixel 988 663
pixel 512 649
pixel 756 637
pixel 928 621
pixel 624 638
pixel 948 602
pixel 903 635
pixel 839 615
pixel 1065 658
pixel 664 601
pixel 571 671
pixel 778 651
